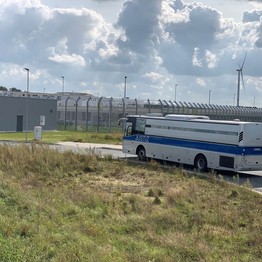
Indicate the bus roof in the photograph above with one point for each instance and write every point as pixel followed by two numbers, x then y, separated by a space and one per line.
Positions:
pixel 185 117
pixel 180 117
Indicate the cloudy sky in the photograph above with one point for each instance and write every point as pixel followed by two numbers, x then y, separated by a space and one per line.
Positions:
pixel 158 44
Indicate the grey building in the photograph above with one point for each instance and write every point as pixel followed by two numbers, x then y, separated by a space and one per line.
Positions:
pixel 13 113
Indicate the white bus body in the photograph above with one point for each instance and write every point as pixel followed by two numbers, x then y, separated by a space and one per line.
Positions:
pixel 195 140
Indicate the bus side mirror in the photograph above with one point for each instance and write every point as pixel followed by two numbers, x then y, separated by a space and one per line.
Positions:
pixel 123 119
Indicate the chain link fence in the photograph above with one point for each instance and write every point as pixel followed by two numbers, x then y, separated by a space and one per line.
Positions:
pixel 102 114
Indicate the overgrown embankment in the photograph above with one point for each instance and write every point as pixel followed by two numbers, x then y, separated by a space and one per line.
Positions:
pixel 70 207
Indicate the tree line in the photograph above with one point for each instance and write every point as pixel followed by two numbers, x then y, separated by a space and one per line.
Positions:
pixel 12 89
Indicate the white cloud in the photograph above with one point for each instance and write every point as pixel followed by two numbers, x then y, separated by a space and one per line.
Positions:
pixel 196 60
pixel 68 59
pixel 211 59
pixel 201 82
pixel 153 76
pixel 156 43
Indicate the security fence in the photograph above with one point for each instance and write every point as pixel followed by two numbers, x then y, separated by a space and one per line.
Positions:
pixel 102 114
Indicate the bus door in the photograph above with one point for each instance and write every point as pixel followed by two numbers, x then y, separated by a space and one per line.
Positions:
pixel 128 129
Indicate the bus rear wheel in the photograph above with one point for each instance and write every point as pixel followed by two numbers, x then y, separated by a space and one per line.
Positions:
pixel 141 153
pixel 201 163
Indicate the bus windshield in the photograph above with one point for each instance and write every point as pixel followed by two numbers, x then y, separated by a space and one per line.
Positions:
pixel 135 126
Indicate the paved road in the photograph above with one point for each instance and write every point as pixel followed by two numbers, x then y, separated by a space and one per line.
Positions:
pixel 104 149
pixel 252 177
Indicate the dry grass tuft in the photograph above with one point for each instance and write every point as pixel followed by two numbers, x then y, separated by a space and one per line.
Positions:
pixel 174 195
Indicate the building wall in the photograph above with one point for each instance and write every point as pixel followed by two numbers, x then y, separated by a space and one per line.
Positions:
pixel 14 109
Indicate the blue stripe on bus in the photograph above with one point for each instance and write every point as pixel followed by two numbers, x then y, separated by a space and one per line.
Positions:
pixel 191 144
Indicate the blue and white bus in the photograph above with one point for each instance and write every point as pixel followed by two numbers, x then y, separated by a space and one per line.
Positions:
pixel 195 140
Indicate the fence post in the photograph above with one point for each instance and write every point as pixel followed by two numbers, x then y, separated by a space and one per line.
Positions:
pixel 87 105
pixel 110 114
pixel 124 107
pixel 162 109
pixel 66 110
pixel 183 107
pixel 76 112
pixel 173 106
pixel 136 106
pixel 149 106
pixel 98 114
pixel 167 106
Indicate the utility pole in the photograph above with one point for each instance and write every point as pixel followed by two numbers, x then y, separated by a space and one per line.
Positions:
pixel 63 84
pixel 209 96
pixel 27 103
pixel 125 87
pixel 175 91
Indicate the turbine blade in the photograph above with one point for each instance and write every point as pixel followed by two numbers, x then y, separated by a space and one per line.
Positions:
pixel 242 79
pixel 244 60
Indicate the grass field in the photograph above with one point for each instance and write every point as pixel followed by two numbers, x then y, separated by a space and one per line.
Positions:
pixel 76 136
pixel 71 207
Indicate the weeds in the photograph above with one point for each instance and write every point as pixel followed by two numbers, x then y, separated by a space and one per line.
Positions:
pixel 80 207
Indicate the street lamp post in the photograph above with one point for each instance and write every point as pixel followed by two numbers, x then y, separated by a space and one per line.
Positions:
pixel 63 84
pixel 27 103
pixel 125 87
pixel 209 96
pixel 175 91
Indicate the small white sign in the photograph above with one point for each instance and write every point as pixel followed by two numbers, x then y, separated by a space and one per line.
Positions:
pixel 42 120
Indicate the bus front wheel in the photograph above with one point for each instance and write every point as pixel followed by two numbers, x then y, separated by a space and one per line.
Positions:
pixel 201 163
pixel 141 153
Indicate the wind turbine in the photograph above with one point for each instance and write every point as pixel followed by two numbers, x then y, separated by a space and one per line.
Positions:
pixel 240 75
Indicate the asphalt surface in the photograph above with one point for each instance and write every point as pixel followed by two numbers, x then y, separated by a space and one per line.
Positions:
pixel 104 149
